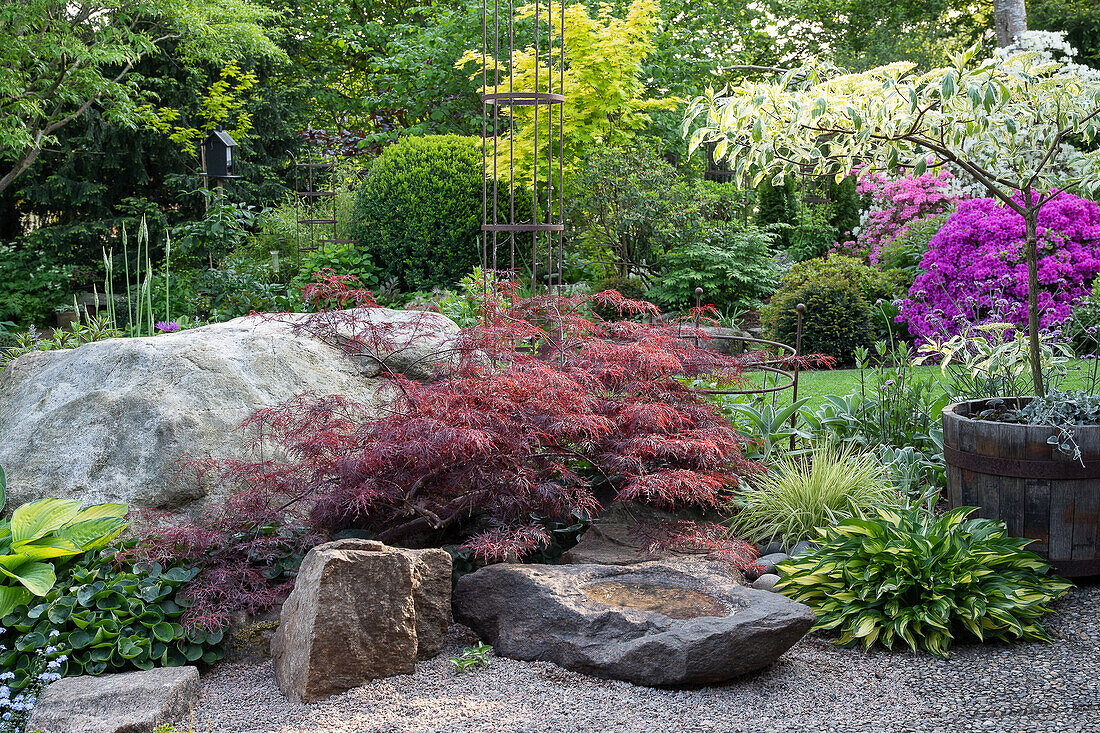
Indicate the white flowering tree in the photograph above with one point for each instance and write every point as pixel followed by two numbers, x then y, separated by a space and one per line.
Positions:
pixel 1004 122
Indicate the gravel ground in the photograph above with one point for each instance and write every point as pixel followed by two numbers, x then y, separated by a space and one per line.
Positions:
pixel 814 687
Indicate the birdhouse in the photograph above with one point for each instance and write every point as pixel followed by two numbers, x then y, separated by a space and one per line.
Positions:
pixel 219 155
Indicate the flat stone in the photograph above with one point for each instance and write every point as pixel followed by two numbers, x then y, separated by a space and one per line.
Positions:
pixel 357 612
pixel 125 411
pixel 656 624
pixel 766 581
pixel 129 702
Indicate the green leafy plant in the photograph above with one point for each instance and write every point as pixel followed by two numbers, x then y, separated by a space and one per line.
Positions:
pixel 768 426
pixel 839 293
pixel 888 574
pixel 32 284
pixel 110 615
pixel 993 360
pixel 472 658
pixel 48 530
pixel 418 211
pixel 92 328
pixel 802 494
pixel 735 267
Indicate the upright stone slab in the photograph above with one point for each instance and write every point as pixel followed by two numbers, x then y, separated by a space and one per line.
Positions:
pixel 131 702
pixel 357 613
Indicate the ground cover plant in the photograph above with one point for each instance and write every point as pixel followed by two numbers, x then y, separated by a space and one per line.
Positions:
pixel 907 574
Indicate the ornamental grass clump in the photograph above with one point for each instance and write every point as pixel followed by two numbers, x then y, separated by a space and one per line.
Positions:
pixel 907 574
pixel 802 494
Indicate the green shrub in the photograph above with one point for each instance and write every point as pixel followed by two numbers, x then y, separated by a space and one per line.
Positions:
pixel 343 259
pixel 418 211
pixel 908 574
pixel 837 320
pixel 840 294
pixel 109 616
pixel 628 206
pixel 803 493
pixel 31 286
pixel 734 266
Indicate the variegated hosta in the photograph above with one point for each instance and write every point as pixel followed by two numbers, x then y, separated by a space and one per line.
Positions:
pixel 924 579
pixel 44 532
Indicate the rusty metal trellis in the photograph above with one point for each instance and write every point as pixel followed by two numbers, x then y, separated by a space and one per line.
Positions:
pixel 543 35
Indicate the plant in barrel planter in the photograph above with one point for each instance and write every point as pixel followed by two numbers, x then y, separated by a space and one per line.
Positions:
pixel 1005 123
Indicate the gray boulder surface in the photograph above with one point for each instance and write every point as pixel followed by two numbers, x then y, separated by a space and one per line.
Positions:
pixel 655 624
pixel 129 702
pixel 113 420
pixel 359 611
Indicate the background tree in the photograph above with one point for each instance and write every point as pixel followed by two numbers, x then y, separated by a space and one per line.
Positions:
pixel 1019 109
pixel 1009 18
pixel 60 59
pixel 605 96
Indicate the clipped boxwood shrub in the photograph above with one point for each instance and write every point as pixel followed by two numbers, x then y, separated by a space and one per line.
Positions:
pixel 836 323
pixel 840 294
pixel 108 617
pixel 418 211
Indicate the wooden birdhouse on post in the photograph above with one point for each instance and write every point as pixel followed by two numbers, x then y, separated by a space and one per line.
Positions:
pixel 219 157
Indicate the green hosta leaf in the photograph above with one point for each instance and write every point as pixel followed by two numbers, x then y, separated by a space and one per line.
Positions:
pixel 37 577
pixel 45 548
pixel 80 639
pixel 39 518
pixel 164 631
pixel 12 597
pixel 92 534
pixel 101 511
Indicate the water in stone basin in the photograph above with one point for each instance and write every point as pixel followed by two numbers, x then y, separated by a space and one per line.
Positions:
pixel 668 600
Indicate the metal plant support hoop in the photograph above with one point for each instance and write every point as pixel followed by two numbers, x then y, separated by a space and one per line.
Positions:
pixel 502 239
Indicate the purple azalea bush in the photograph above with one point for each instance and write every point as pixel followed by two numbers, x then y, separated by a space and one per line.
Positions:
pixel 894 204
pixel 974 270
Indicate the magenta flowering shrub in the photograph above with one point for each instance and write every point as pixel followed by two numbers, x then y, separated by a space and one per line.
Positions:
pixel 894 205
pixel 974 270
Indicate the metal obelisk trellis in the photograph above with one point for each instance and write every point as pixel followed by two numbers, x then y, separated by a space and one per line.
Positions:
pixel 543 69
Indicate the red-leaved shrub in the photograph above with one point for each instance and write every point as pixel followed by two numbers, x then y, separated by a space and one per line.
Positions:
pixel 541 409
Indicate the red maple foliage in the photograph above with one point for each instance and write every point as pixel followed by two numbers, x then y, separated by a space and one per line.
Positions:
pixel 540 409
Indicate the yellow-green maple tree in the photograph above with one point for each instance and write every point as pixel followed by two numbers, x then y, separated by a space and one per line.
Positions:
pixel 605 102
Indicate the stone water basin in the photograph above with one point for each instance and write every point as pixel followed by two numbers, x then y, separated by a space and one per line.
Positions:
pixel 668 600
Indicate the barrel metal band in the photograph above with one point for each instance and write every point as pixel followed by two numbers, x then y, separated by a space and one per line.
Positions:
pixel 1021 467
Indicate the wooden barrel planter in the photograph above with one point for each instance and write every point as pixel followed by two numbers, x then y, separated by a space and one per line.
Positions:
pixel 1011 473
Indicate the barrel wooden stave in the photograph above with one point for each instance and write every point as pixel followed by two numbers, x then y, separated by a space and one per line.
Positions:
pixel 1061 515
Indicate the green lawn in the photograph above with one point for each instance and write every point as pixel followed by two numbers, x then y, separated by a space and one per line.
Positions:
pixel 818 383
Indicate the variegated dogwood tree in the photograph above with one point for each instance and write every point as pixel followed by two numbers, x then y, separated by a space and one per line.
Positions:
pixel 1003 121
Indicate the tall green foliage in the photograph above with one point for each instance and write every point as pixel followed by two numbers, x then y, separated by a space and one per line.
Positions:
pixel 628 207
pixel 59 59
pixel 775 204
pixel 605 93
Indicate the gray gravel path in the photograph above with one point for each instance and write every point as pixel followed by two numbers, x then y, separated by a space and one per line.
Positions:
pixel 814 687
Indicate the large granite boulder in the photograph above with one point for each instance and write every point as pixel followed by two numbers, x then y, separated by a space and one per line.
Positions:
pixel 653 624
pixel 130 702
pixel 359 611
pixel 111 420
